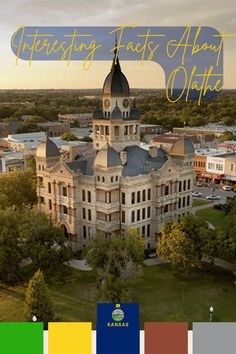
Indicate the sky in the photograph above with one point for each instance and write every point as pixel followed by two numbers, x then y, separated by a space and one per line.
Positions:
pixel 13 13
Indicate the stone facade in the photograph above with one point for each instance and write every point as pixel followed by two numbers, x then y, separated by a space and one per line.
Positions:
pixel 115 184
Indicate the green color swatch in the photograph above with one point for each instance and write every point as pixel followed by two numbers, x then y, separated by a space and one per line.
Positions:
pixel 21 338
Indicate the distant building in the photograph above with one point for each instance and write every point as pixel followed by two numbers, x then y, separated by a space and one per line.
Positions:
pixel 199 141
pixel 228 145
pixel 54 129
pixel 68 117
pixel 215 164
pixel 115 184
pixel 25 142
pixel 83 119
pixel 230 169
pixel 11 161
pixel 9 128
pixel 151 129
pixel 212 128
pixel 199 165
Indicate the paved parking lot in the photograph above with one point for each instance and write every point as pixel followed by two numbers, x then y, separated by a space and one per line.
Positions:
pixel 218 191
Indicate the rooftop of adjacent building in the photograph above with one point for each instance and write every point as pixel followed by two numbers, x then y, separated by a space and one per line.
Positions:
pixel 227 143
pixel 24 137
pixel 217 127
pixel 12 155
pixel 213 152
pixel 51 124
pixel 170 138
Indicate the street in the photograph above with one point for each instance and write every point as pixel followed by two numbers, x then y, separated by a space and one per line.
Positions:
pixel 218 191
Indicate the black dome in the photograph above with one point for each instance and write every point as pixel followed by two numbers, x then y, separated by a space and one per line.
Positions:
pixel 116 83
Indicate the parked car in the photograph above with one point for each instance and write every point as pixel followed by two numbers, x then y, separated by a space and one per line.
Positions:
pixel 227 188
pixel 213 197
pixel 196 194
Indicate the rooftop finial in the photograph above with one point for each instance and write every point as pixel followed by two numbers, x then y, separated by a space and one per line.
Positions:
pixel 115 51
pixel 116 63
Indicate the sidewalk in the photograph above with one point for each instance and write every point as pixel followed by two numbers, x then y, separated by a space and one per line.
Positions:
pixel 204 206
pixel 217 262
pixel 79 264
pixel 221 263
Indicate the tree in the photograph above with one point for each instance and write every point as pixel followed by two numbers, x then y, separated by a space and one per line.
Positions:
pixel 18 189
pixel 226 234
pixel 227 136
pixel 69 136
pixel 228 120
pixel 117 264
pixel 175 247
pixel 185 241
pixel 37 300
pixel 203 238
pixel 31 163
pixel 11 252
pixel 44 242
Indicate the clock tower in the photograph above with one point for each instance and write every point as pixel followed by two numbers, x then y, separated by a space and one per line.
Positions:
pixel 117 123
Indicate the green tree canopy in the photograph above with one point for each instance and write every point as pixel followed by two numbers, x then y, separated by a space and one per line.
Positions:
pixel 227 136
pixel 185 241
pixel 176 248
pixel 11 250
pixel 37 300
pixel 117 263
pixel 44 242
pixel 227 234
pixel 18 189
pixel 68 136
pixel 30 234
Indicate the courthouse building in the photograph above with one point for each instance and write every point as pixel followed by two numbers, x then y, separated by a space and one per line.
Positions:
pixel 115 184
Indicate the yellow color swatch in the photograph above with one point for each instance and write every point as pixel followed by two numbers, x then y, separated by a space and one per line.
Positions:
pixel 70 338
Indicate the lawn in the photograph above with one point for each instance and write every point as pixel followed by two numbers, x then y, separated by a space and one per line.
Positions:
pixel 214 216
pixel 162 296
pixel 198 202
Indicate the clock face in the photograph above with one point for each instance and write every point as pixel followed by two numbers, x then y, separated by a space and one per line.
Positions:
pixel 107 103
pixel 125 103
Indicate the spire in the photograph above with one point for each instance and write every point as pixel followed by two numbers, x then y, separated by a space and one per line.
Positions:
pixel 116 63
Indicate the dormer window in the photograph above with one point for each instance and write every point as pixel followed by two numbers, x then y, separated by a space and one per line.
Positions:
pixel 108 114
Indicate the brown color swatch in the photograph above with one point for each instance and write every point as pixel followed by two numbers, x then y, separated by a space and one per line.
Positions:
pixel 166 338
